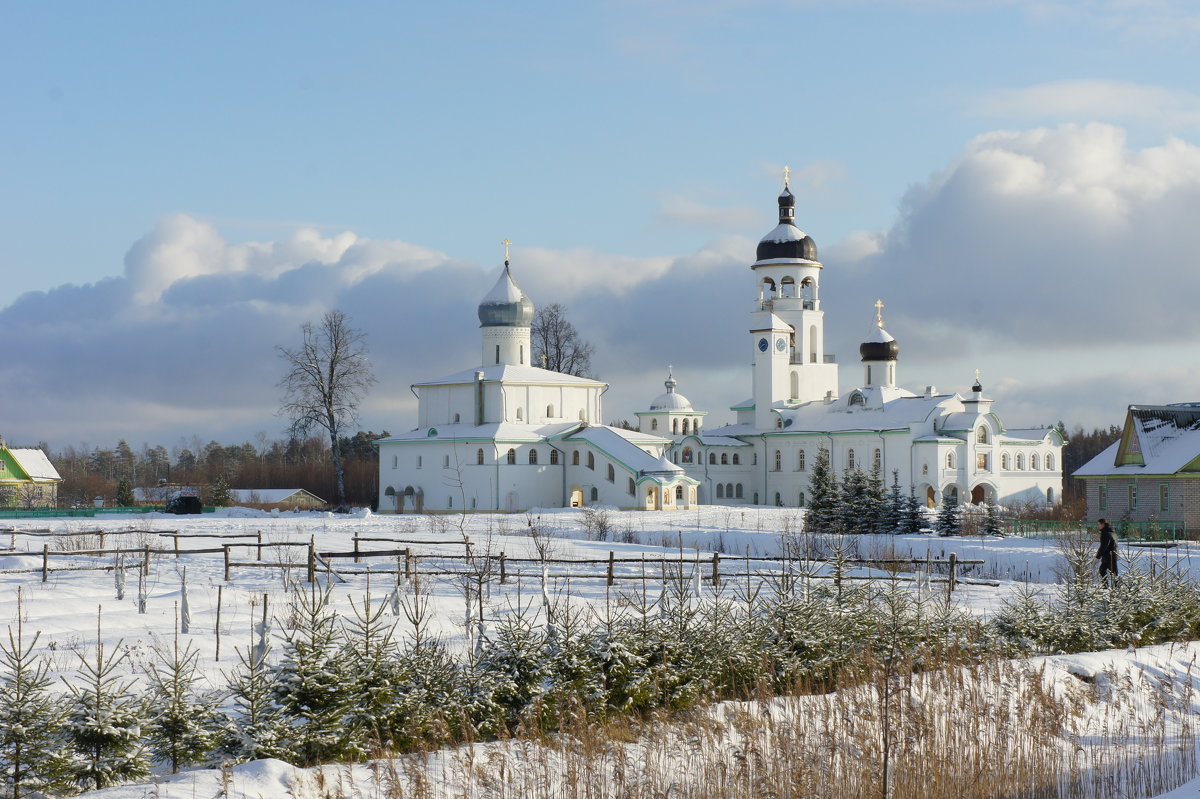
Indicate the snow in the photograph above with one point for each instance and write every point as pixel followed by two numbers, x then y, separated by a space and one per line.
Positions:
pixel 35 464
pixel 509 373
pixel 505 291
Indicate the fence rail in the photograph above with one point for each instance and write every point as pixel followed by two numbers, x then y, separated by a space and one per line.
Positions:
pixel 1127 529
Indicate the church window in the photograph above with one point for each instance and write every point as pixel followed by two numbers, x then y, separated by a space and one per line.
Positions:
pixel 553 457
pixel 1164 497
pixel 1004 461
pixel 1132 488
pixel 418 461
pixel 449 502
pixel 738 491
pixel 850 459
pixel 712 458
pixel 981 435
pixel 595 494
pixel 924 468
pixel 533 457
pixel 1034 462
pixel 520 414
pixel 512 456
pixel 395 461
pixel 549 411
pixel 802 461
pixel 981 462
pixel 729 490
pixel 685 427
pixel 1102 497
pixel 801 502
pixel 778 460
pixel 678 493
pixel 754 459
pixel 720 491
pixel 1021 461
pixel 575 458
pixel 1050 496
pixel 653 424
pixel 592 461
pixel 778 422
pixel 857 399
pixel 497 353
pixel 1050 462
pixel 522 353
pixel 736 458
pixel 457 418
pixel 687 454
pixel 949 460
pixel 674 426
pixel 479 457
pixel 473 505
pixel 778 500
pixel 445 461
pixel 632 488
pixel 724 459
pixel 877 463
pixel 612 474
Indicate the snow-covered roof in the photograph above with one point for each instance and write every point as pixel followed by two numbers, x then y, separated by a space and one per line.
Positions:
pixel 1164 438
pixel 499 431
pixel 880 335
pixel 719 441
pixel 773 323
pixel 505 290
pixel 898 412
pixel 785 231
pixel 671 402
pixel 509 373
pixel 35 464
pixel 621 447
pixel 1029 433
pixel 268 496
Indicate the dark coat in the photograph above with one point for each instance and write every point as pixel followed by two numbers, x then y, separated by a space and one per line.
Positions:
pixel 1107 553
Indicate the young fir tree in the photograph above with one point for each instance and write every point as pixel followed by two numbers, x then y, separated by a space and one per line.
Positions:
pixel 185 724
pixel 221 496
pixel 258 730
pixel 949 518
pixel 125 493
pixel 892 511
pixel 991 520
pixel 823 497
pixel 314 685
pixel 876 500
pixel 104 723
pixel 31 757
pixel 373 656
pixel 854 509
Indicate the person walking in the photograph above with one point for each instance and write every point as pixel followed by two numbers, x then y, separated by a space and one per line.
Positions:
pixel 1107 553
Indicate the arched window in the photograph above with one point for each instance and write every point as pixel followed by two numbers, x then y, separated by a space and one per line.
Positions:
pixel 687 454
pixel 1004 461
pixel 877 461
pixel 612 474
pixel 575 458
pixel 801 502
pixel 1050 495
pixel 479 457
pixel 595 494
pixel 512 456
pixel 549 411
pixel 445 461
pixel 1050 461
pixel 653 424
pixel 738 491
pixel 678 493
pixel 632 488
pixel 712 458
pixel 857 399
pixel 591 461
pixel 553 457
pixel 729 489
pixel 533 457
pixel 949 460
pixel 778 460
pixel 1034 461
pixel 674 427
pixel 457 418
pixel 981 435
pixel 736 459
pixel 1020 461
pixel 724 459
pixel 850 460
pixel 685 427
pixel 778 500
pixel 720 491
pixel 520 414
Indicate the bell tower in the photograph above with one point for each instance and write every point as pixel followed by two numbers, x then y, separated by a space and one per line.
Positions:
pixel 792 368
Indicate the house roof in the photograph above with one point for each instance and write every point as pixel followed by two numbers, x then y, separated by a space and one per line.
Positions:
pixel 35 464
pixel 499 431
pixel 622 446
pixel 268 496
pixel 1156 439
pixel 509 373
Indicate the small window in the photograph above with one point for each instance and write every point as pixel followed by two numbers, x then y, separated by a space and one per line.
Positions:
pixel 595 494
pixel 512 456
pixel 1034 461
pixel 674 426
pixel 418 461
pixel 877 462
pixel 1164 497
pixel 685 427
pixel 736 459
pixel 457 418
pixel 1102 498
pixel 575 458
pixel 449 502
pixel 687 454
pixel 949 460
pixel 778 500
pixel 479 457
pixel 653 424
pixel 1133 496
pixel 553 457
pixel 729 489
pixel 857 399
pixel 1050 461
pixel 520 414
pixel 801 502
pixel 678 493
pixel 549 411
pixel 802 461
pixel 632 488
pixel 591 462
pixel 981 462
pixel 850 460
pixel 712 458
pixel 724 459
pixel 778 460
pixel 612 474
pixel 1004 462
pixel 395 463
pixel 445 461
pixel 533 457
pixel 720 491
pixel 1020 461
pixel 1050 496
pixel 981 435
pixel 754 460
pixel 738 491
pixel 924 468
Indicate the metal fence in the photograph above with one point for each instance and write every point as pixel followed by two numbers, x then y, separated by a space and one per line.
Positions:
pixel 1126 530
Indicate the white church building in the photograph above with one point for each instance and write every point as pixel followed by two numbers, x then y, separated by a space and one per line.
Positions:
pixel 507 435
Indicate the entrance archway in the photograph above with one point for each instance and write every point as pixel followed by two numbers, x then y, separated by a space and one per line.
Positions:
pixel 978 495
pixel 930 498
pixel 576 496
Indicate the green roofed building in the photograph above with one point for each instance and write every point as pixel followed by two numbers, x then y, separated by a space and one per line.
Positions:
pixel 27 479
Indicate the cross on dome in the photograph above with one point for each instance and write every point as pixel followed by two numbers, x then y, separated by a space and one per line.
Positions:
pixel 506 244
pixel 787 172
pixel 879 313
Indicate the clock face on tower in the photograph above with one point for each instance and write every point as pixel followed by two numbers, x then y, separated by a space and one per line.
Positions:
pixel 763 345
pixel 780 344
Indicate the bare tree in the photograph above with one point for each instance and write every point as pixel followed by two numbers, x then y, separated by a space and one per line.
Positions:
pixel 328 376
pixel 557 340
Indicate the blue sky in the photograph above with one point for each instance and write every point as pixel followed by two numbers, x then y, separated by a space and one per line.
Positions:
pixel 1015 179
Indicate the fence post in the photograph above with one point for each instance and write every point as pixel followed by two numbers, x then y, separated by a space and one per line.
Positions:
pixel 611 565
pixel 258 556
pixel 312 562
pixel 226 548
pixel 356 547
pixel 217 625
pixel 146 560
pixel 45 562
pixel 407 562
pixel 175 538
pixel 716 573
pixel 101 532
pixel 953 571
pixel 503 570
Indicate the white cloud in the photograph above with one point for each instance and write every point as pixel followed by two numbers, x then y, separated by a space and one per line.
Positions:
pixel 1088 100
pixel 685 211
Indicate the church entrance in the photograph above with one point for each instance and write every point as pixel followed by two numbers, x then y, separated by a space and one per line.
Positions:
pixel 930 498
pixel 511 501
pixel 978 495
pixel 576 497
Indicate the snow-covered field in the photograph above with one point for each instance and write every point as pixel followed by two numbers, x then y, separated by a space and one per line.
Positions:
pixel 72 605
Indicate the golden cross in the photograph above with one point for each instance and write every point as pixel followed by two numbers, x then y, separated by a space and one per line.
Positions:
pixel 506 244
pixel 786 174
pixel 976 375
pixel 879 313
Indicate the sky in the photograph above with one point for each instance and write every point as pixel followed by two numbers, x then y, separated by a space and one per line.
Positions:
pixel 184 185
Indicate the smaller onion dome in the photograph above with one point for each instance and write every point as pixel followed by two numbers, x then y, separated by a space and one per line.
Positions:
pixel 670 401
pixel 506 305
pixel 787 241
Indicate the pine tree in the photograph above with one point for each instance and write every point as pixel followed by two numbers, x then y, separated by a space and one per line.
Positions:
pixel 991 521
pixel 823 497
pixel 221 496
pixel 912 516
pixel 259 729
pixel 313 686
pixel 373 655
pixel 854 510
pixel 104 723
pixel 892 510
pixel 949 518
pixel 31 757
pixel 876 502
pixel 125 496
pixel 186 723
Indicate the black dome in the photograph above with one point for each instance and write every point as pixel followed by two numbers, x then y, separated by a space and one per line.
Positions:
pixel 787 199
pixel 787 241
pixel 879 350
